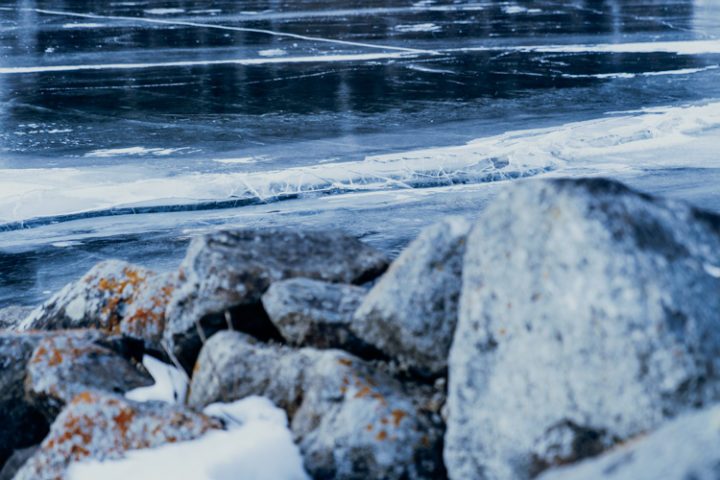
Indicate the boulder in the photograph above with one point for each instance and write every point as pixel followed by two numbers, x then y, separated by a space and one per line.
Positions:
pixel 225 273
pixel 11 316
pixel 682 449
pixel 588 315
pixel 411 313
pixel 101 426
pixel 314 313
pixel 66 364
pixel 114 296
pixel 21 424
pixel 350 419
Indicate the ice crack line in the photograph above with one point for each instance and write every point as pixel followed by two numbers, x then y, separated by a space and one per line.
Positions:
pixel 225 27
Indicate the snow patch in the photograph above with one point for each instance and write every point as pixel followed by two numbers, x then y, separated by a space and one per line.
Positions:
pixel 170 386
pixel 116 152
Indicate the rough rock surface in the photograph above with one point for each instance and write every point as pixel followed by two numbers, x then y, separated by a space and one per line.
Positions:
pixel 411 313
pixel 66 364
pixel 11 316
pixel 314 313
pixel 103 427
pixel 687 448
pixel 588 315
pixel 21 424
pixel 16 461
pixel 351 420
pixel 232 269
pixel 114 296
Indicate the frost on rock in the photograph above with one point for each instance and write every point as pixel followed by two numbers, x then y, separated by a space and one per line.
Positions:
pixel 70 362
pixel 313 313
pixel 350 420
pixel 98 426
pixel 411 313
pixel 11 316
pixel 114 296
pixel 587 317
pixel 685 448
pixel 228 271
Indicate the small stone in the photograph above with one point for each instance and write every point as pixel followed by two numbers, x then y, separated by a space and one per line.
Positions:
pixel 314 313
pixel 411 313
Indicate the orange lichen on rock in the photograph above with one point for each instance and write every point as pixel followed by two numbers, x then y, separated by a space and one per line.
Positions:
pixel 104 426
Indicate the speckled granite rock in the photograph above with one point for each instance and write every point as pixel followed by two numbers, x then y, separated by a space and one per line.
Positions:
pixel 114 296
pixel 313 313
pixel 589 314
pixel 11 316
pixel 686 448
pixel 351 420
pixel 231 269
pixel 411 313
pixel 68 363
pixel 104 426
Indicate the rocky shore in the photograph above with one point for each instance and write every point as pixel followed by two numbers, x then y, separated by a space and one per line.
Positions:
pixel 570 333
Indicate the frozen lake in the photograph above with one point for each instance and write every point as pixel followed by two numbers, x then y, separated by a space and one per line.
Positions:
pixel 126 127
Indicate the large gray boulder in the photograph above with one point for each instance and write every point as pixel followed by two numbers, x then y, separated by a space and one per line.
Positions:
pixel 411 313
pixel 687 448
pixel 11 316
pixel 313 313
pixel 351 421
pixel 589 314
pixel 114 296
pixel 225 274
pixel 71 362
pixel 100 426
pixel 21 423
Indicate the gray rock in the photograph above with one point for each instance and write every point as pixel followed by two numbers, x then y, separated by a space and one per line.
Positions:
pixel 11 316
pixel 411 313
pixel 230 270
pixel 686 448
pixel 98 426
pixel 314 313
pixel 351 421
pixel 21 424
pixel 16 461
pixel 588 315
pixel 71 362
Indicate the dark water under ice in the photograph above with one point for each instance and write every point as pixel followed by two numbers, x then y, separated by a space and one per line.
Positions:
pixel 127 127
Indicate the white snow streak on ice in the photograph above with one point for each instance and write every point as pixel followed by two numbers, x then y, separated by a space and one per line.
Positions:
pixel 616 143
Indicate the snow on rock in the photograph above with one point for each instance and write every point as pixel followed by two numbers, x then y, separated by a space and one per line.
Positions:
pixel 351 420
pixel 411 313
pixel 683 449
pixel 11 316
pixel 115 296
pixel 170 384
pixel 232 269
pixel 313 313
pixel 587 317
pixel 68 363
pixel 98 426
pixel 257 445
